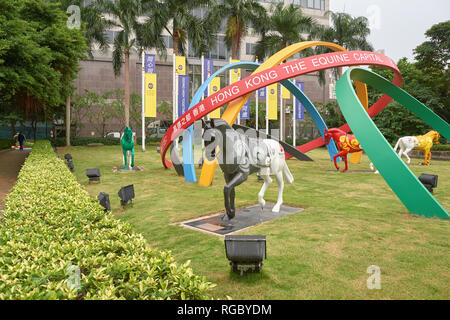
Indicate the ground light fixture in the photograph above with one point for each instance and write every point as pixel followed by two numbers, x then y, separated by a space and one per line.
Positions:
pixel 429 181
pixel 126 195
pixel 245 252
pixel 68 158
pixel 103 199
pixel 93 174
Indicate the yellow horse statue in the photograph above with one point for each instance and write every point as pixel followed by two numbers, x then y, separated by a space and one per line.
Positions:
pixel 422 143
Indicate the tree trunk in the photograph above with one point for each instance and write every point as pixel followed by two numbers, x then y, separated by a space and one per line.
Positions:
pixel 68 115
pixel 127 88
pixel 175 42
pixel 236 39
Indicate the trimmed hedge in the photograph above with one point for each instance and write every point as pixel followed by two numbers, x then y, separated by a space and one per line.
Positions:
pixel 50 223
pixel 7 143
pixel 61 142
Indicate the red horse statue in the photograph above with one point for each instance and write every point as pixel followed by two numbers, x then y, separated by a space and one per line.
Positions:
pixel 346 143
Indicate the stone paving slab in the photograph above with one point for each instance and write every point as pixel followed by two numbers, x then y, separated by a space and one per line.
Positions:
pixel 245 218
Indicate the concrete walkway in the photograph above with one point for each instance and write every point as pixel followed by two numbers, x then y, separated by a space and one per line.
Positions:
pixel 11 162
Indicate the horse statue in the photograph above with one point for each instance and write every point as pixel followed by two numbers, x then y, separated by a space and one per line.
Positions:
pixel 422 143
pixel 239 156
pixel 346 143
pixel 127 144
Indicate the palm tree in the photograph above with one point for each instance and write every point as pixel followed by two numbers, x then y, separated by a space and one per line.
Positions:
pixel 139 24
pixel 239 15
pixel 185 25
pixel 347 31
pixel 286 26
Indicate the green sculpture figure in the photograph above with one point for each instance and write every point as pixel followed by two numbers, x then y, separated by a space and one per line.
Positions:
pixel 127 144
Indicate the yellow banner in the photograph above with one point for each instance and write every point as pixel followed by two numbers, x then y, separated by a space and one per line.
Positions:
pixel 286 93
pixel 214 86
pixel 150 95
pixel 272 92
pixel 235 73
pixel 180 65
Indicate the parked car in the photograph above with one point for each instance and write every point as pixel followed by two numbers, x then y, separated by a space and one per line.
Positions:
pixel 113 135
pixel 156 132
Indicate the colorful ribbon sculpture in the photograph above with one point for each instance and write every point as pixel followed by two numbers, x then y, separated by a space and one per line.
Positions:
pixel 188 157
pixel 395 172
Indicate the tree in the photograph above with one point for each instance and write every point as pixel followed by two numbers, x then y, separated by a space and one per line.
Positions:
pixel 140 23
pixel 286 26
pixel 185 25
pixel 346 31
pixel 239 15
pixel 433 58
pixel 38 52
pixel 93 27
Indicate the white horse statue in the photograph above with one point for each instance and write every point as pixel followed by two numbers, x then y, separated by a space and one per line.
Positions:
pixel 239 156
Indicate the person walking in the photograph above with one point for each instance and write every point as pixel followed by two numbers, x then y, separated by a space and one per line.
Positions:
pixel 21 138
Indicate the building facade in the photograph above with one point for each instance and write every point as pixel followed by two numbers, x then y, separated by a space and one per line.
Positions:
pixel 97 74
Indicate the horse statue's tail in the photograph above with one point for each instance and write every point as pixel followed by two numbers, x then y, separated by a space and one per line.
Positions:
pixel 287 174
pixel 397 144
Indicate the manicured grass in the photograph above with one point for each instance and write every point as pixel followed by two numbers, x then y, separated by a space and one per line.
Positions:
pixel 351 221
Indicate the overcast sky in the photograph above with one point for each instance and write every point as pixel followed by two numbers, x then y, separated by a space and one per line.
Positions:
pixel 398 26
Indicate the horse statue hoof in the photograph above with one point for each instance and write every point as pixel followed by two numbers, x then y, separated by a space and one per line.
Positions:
pixel 276 209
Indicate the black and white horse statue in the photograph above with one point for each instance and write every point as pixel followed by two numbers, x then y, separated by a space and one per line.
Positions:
pixel 239 156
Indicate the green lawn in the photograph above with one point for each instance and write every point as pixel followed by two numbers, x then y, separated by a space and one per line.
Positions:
pixel 351 221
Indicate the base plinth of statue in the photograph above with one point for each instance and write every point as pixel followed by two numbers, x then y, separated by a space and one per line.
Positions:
pixel 244 218
pixel 134 169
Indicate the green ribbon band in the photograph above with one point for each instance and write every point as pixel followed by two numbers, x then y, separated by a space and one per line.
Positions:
pixel 394 171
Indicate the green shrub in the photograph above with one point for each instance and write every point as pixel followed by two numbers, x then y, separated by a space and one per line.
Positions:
pixel 6 143
pixel 50 223
pixel 61 142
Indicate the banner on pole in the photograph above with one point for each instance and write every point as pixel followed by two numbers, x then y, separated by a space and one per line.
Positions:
pixel 180 65
pixel 272 93
pixel 262 93
pixel 183 94
pixel 235 73
pixel 150 95
pixel 286 94
pixel 299 109
pixel 208 70
pixel 214 86
pixel 149 63
pixel 245 111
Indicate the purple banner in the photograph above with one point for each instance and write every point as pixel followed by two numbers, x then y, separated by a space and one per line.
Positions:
pixel 262 93
pixel 183 94
pixel 299 110
pixel 150 63
pixel 208 70
pixel 245 111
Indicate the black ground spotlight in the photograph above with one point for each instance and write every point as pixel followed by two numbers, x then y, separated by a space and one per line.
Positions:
pixel 70 165
pixel 245 252
pixel 103 199
pixel 67 156
pixel 429 181
pixel 93 174
pixel 126 194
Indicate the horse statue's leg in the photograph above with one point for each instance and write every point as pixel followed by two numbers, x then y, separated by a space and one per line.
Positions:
pixel 228 193
pixel 280 181
pixel 345 160
pixel 267 182
pixel 125 167
pixel 426 161
pixel 132 157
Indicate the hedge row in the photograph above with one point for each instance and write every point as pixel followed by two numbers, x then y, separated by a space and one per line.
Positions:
pixel 61 142
pixel 6 143
pixel 50 225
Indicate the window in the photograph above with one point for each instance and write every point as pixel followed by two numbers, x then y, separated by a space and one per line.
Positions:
pixel 250 49
pixel 168 42
pixel 219 51
pixel 110 36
